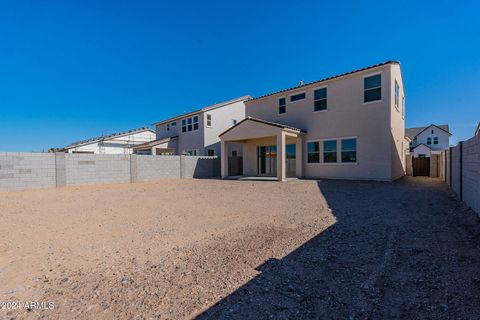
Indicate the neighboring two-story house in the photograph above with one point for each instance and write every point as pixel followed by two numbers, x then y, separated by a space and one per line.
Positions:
pixel 350 126
pixel 196 133
pixel 428 140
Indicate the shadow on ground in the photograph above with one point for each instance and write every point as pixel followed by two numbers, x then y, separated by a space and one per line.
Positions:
pixel 407 249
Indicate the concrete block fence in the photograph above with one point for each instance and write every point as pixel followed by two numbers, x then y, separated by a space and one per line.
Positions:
pixel 461 171
pixel 20 171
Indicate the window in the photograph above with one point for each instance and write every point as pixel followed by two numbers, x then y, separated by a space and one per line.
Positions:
pixel 330 151
pixel 282 105
pixel 429 140
pixel 190 124
pixel 234 153
pixel 313 152
pixel 403 107
pixel 174 124
pixel 210 152
pixel 320 99
pixel 372 88
pixel 168 127
pixel 195 123
pixel 190 152
pixel 234 121
pixel 209 120
pixel 397 94
pixel 435 140
pixel 349 150
pixel 432 131
pixel 297 97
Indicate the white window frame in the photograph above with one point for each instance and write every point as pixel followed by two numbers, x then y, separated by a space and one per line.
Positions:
pixel 191 124
pixel 278 105
pixel 339 152
pixel 294 94
pixel 381 86
pixel 207 120
pixel 313 93
pixel 319 151
pixel 396 93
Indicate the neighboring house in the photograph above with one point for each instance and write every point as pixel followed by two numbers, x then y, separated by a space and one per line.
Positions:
pixel 117 143
pixel 196 133
pixel 350 126
pixel 428 140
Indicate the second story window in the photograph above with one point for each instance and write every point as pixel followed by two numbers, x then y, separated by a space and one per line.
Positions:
pixel 435 140
pixel 429 140
pixel 168 127
pixel 190 124
pixel 297 97
pixel 397 94
pixel 209 120
pixel 320 99
pixel 282 105
pixel 372 87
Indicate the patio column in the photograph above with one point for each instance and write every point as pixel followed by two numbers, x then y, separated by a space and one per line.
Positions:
pixel 223 159
pixel 281 158
pixel 299 156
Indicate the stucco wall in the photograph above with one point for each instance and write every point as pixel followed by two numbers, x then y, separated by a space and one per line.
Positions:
pixel 346 116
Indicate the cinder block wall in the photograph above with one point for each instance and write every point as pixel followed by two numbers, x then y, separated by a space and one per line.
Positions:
pixel 200 167
pixel 455 183
pixel 147 168
pixel 24 170
pixel 48 170
pixel 96 168
pixel 471 173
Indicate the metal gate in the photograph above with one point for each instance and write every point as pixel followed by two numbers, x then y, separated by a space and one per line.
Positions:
pixel 421 166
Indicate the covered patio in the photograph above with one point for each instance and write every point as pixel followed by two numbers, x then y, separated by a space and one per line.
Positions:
pixel 269 149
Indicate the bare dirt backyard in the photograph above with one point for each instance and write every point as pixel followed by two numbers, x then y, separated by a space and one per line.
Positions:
pixel 216 249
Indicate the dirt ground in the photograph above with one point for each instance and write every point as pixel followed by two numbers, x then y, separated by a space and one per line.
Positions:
pixel 212 249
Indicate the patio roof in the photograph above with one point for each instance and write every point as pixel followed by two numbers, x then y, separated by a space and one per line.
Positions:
pixel 273 124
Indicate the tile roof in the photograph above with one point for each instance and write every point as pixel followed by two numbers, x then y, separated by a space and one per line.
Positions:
pixel 274 124
pixel 110 136
pixel 325 79
pixel 413 132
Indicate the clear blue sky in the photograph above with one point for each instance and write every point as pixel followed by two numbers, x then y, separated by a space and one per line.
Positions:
pixel 70 70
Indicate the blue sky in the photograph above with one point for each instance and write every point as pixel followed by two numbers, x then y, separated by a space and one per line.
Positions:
pixel 71 70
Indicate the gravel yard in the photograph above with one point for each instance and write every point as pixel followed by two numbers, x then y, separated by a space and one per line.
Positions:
pixel 217 249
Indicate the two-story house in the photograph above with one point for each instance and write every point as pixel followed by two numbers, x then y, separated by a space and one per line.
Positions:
pixel 428 140
pixel 196 133
pixel 349 126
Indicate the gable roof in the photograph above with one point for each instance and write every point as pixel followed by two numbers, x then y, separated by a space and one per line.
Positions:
pixel 421 144
pixel 208 108
pixel 413 132
pixel 107 137
pixel 325 79
pixel 153 142
pixel 274 124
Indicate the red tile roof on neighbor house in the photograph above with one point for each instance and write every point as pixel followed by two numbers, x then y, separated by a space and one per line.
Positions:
pixel 274 124
pixel 325 79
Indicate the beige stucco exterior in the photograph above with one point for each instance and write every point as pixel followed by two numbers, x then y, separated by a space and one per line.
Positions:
pixel 378 127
